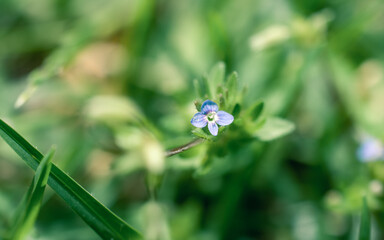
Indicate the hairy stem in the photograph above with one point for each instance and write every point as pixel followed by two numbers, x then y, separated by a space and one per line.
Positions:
pixel 183 148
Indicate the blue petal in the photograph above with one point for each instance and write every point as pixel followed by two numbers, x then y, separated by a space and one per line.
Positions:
pixel 209 106
pixel 370 150
pixel 199 120
pixel 213 128
pixel 224 118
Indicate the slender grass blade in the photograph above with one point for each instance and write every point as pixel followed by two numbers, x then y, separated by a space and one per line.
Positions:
pixel 96 215
pixel 365 222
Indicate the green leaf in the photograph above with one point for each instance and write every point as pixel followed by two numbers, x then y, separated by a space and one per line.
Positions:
pixel 201 134
pixel 232 86
pixel 221 101
pixel 198 105
pixel 365 222
pixel 216 77
pixel 274 128
pixel 101 219
pixel 199 91
pixel 202 89
pixel 256 110
pixel 236 110
pixel 30 206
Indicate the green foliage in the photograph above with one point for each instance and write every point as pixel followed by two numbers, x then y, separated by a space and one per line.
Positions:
pixel 365 222
pixel 112 85
pixel 256 110
pixel 251 125
pixel 97 216
pixel 216 77
pixel 202 134
pixel 29 208
pixel 274 128
pixel 232 86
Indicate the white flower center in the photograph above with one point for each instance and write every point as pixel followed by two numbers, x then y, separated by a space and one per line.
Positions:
pixel 211 117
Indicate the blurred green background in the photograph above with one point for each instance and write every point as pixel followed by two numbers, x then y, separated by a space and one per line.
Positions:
pixel 82 72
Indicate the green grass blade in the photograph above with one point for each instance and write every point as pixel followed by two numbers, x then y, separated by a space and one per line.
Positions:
pixel 30 206
pixel 101 219
pixel 365 222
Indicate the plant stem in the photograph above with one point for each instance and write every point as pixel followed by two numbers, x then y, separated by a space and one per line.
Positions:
pixel 183 148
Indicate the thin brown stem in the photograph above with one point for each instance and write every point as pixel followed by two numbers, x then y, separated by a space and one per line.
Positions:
pixel 184 147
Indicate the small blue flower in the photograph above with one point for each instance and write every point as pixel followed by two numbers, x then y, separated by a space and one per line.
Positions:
pixel 371 149
pixel 211 115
